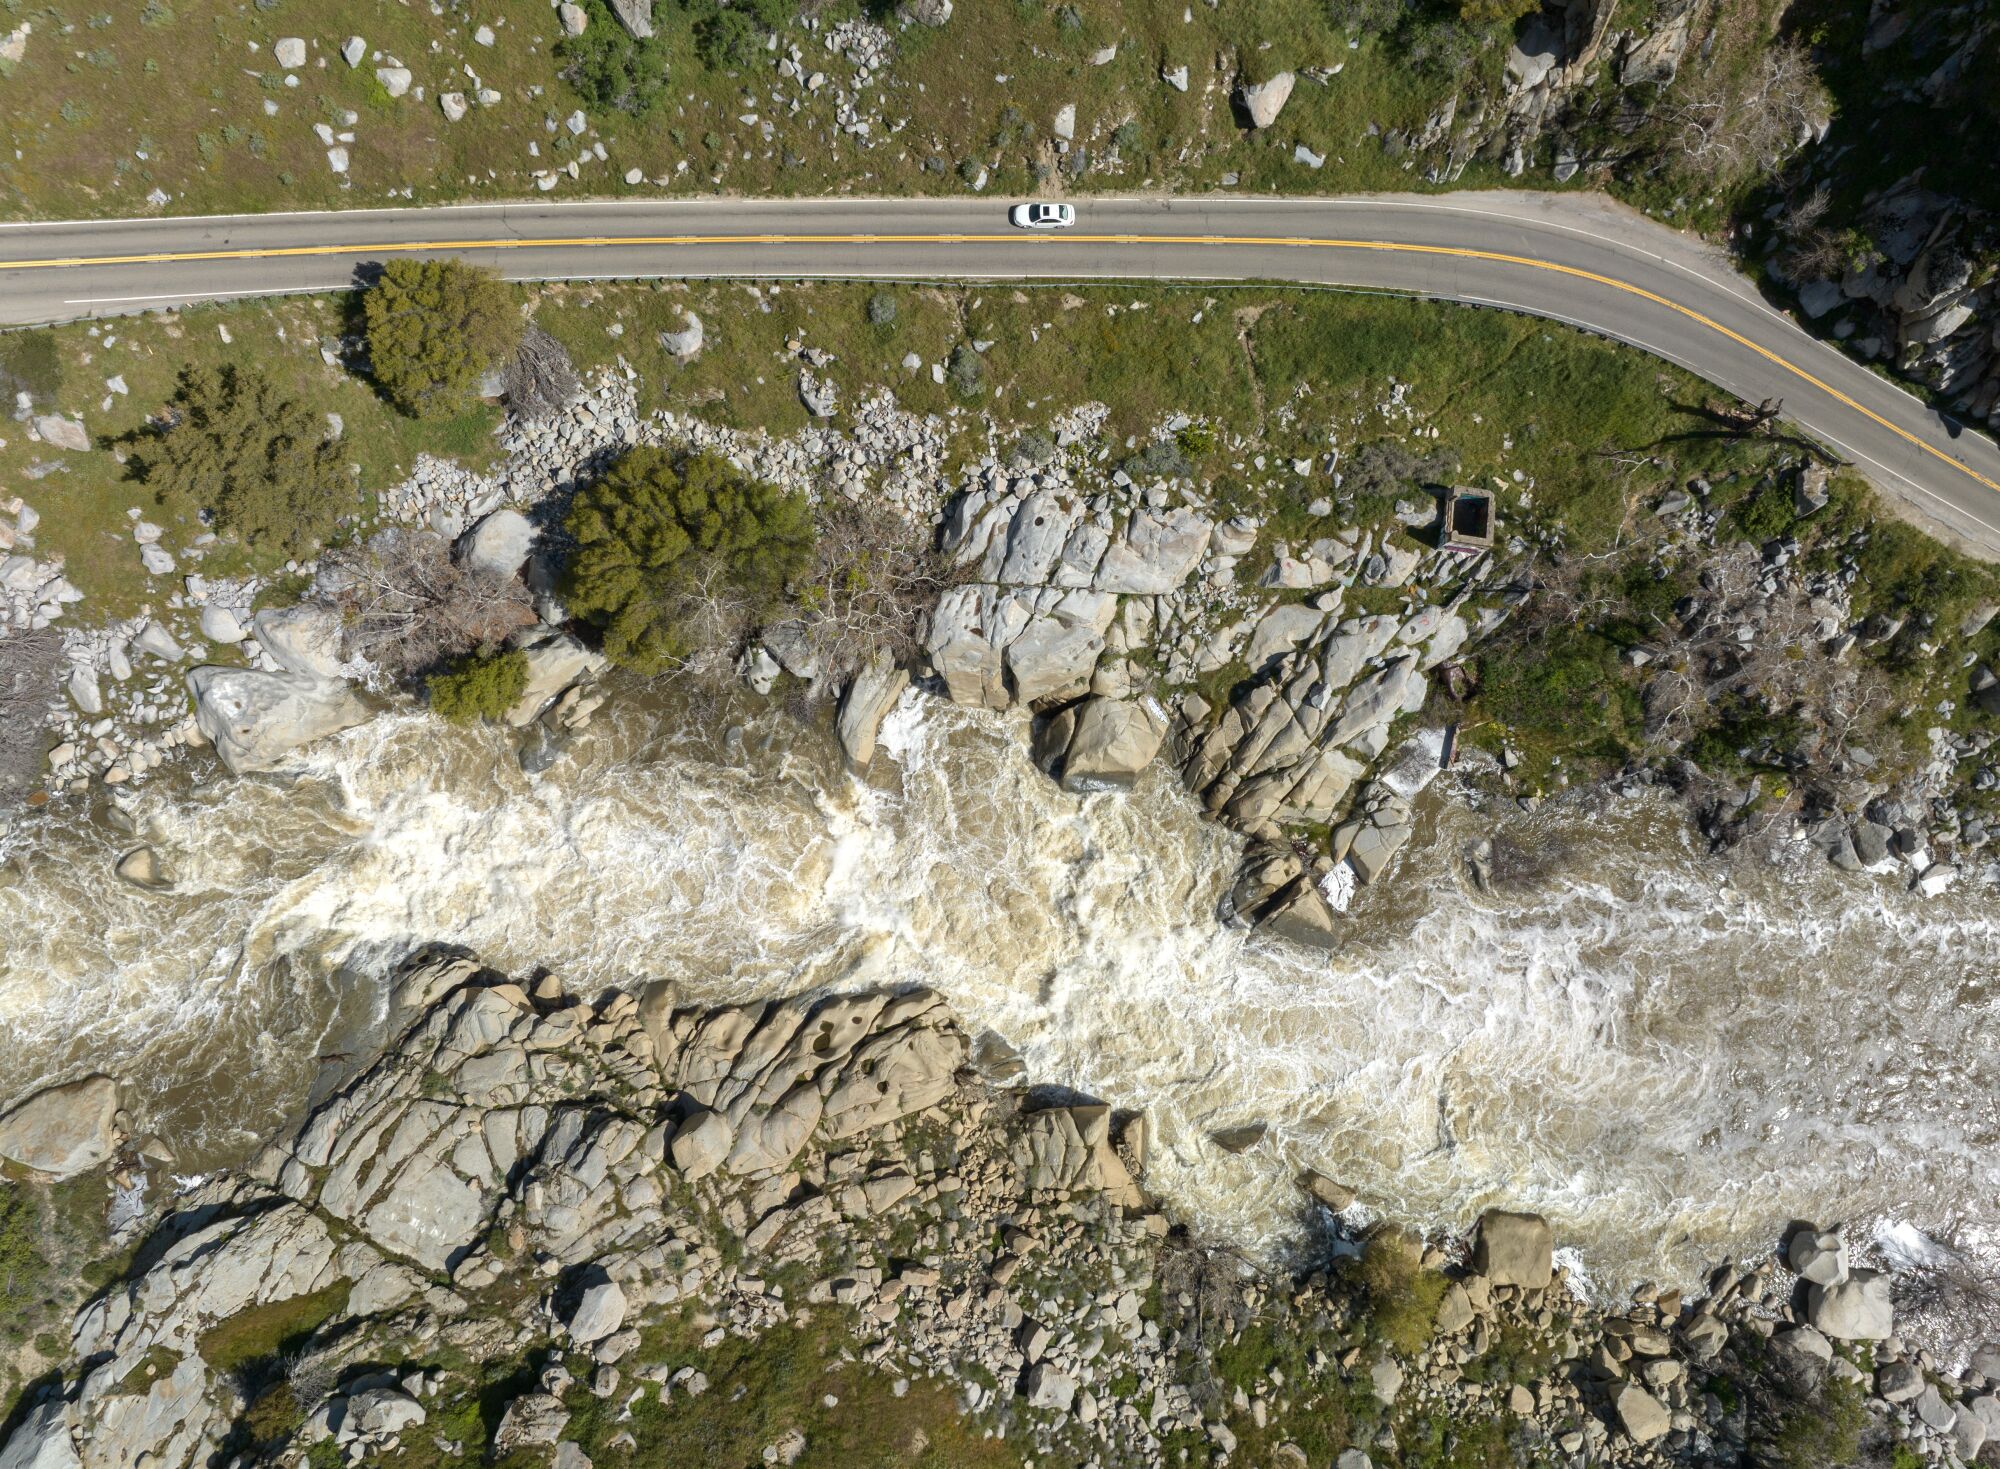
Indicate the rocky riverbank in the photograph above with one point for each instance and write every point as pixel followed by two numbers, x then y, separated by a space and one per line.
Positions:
pixel 578 1229
pixel 1298 648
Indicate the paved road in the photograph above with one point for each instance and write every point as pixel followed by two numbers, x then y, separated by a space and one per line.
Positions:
pixel 1568 257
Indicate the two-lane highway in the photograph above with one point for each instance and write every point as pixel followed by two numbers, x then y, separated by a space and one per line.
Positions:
pixel 1570 258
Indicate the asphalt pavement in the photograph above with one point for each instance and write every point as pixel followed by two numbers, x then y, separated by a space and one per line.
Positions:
pixel 1573 258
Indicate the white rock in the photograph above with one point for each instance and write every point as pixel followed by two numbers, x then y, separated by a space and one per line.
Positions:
pixel 1857 1309
pixel 354 52
pixel 453 104
pixel 598 1312
pixel 84 693
pixel 290 53
pixel 219 625
pixel 63 433
pixel 1263 102
pixel 395 80
pixel 159 643
pixel 498 545
pixel 484 35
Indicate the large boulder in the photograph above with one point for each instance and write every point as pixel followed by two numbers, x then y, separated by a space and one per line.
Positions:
pixel 933 13
pixel 1858 1308
pixel 635 15
pixel 1072 1148
pixel 498 545
pixel 63 1130
pixel 684 345
pixel 1158 551
pixel 63 433
pixel 599 1309
pixel 1300 914
pixel 1643 1416
pixel 1263 102
pixel 255 719
pixel 1818 1258
pixel 302 639
pixel 867 703
pixel 702 1144
pixel 1515 1249
pixel 1115 739
pixel 553 665
pixel 42 1440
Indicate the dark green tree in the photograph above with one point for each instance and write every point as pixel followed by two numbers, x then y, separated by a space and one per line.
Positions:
pixel 434 328
pixel 610 68
pixel 257 461
pixel 482 686
pixel 677 556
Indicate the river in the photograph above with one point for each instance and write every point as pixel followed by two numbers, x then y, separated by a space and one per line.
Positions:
pixel 1669 1055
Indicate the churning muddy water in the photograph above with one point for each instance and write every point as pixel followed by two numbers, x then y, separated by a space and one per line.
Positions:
pixel 1668 1055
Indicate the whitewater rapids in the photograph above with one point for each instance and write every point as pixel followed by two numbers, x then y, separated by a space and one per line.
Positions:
pixel 1669 1057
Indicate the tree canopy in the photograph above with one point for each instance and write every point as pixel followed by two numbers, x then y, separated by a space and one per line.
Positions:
pixel 259 462
pixel 482 686
pixel 434 327
pixel 676 555
pixel 609 67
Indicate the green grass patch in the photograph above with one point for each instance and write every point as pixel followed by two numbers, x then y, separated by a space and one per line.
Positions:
pixel 760 1389
pixel 1560 694
pixel 54 1250
pixel 269 1331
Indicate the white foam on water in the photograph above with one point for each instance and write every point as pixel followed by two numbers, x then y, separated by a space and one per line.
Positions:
pixel 1668 1064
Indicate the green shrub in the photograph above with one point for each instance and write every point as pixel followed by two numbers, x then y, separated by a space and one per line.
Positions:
pixel 1162 459
pixel 967 371
pixel 434 328
pixel 675 555
pixel 1034 448
pixel 1197 440
pixel 1563 687
pixel 1823 1430
pixel 257 1334
pixel 1763 516
pixel 731 37
pixel 609 67
pixel 1403 1296
pixel 257 461
pixel 881 308
pixel 1494 12
pixel 483 686
pixel 1744 734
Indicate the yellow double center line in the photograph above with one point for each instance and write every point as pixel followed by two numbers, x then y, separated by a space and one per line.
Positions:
pixel 589 242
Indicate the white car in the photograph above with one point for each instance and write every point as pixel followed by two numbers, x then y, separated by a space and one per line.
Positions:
pixel 1042 216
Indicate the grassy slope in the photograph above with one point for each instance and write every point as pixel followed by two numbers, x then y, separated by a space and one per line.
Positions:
pixel 1288 373
pixel 106 107
pixel 85 505
pixel 53 1251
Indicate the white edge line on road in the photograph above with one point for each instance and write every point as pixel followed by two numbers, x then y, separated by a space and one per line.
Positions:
pixel 196 299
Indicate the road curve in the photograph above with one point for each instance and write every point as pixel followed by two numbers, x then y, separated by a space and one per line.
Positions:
pixel 1571 258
